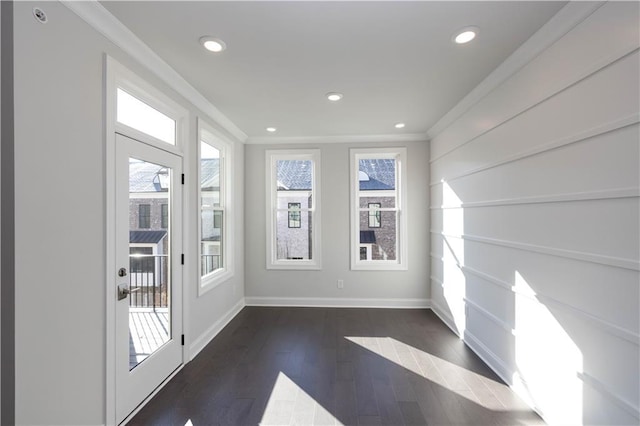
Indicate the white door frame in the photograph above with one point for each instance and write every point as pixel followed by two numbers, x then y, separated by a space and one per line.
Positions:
pixel 116 74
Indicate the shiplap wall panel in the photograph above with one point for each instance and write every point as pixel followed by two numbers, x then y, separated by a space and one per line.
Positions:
pixel 608 295
pixel 578 52
pixel 535 220
pixel 500 343
pixel 586 226
pixel 536 176
pixel 601 103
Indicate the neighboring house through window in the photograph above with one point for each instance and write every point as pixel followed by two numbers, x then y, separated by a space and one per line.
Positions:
pixel 294 215
pixel 293 208
pixel 164 216
pixel 378 209
pixel 144 216
pixel 374 215
pixel 215 202
pixel 141 260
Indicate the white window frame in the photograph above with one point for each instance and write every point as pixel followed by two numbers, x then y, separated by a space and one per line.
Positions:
pixel 208 135
pixel 400 155
pixel 272 157
pixel 125 79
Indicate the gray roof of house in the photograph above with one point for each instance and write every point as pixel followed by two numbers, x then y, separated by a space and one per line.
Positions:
pixel 144 177
pixel 295 175
pixel 381 174
pixel 146 237
pixel 210 173
pixel 367 237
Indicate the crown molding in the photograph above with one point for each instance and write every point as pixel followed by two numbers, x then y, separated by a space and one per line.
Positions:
pixel 94 14
pixel 274 140
pixel 560 24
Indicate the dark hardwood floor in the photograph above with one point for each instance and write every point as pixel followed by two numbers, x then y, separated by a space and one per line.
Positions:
pixel 323 366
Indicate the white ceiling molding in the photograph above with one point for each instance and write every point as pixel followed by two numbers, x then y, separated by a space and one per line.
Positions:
pixel 269 140
pixel 108 25
pixel 559 25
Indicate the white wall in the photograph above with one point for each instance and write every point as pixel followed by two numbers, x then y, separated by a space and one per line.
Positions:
pixel 314 288
pixel 535 223
pixel 60 221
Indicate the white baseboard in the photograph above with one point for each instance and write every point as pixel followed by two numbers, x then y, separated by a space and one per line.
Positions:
pixel 444 317
pixel 338 302
pixel 204 339
pixel 495 363
pixel 492 360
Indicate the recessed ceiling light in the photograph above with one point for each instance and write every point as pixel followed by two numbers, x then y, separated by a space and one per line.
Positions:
pixel 271 129
pixel 398 125
pixel 465 35
pixel 334 96
pixel 212 44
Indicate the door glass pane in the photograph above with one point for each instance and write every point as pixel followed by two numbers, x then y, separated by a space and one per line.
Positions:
pixel 149 259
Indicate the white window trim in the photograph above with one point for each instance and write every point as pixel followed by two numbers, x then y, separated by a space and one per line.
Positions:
pixel 400 155
pixel 207 134
pixel 271 157
pixel 127 80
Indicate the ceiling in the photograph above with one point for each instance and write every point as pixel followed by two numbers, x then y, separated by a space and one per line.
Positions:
pixel 393 61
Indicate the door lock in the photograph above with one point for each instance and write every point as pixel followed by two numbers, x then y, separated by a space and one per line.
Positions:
pixel 122 272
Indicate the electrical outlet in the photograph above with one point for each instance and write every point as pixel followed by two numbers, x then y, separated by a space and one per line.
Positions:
pixel 340 283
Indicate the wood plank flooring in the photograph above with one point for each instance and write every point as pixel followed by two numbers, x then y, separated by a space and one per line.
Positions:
pixel 323 366
pixel 148 330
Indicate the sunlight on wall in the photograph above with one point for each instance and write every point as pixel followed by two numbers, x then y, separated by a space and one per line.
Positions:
pixel 548 361
pixel 453 256
pixel 432 368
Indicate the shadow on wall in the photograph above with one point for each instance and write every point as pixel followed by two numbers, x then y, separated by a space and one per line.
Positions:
pixel 543 350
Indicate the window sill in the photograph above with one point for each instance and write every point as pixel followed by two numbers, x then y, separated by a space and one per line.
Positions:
pixel 294 266
pixel 378 266
pixel 213 280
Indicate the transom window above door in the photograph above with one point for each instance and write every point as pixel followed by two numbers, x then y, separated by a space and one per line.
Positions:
pixel 140 116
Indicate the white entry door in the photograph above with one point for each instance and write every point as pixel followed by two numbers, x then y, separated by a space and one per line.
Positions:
pixel 148 287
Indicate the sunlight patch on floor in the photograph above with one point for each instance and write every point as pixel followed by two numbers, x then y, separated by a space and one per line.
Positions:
pixel 437 370
pixel 287 399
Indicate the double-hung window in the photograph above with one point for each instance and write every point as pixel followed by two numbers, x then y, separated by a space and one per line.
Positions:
pixel 294 215
pixel 378 209
pixel 293 209
pixel 215 198
pixel 374 215
pixel 144 216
